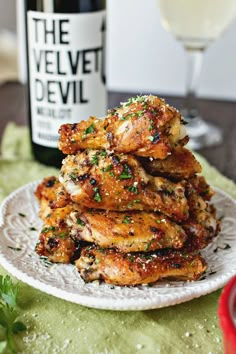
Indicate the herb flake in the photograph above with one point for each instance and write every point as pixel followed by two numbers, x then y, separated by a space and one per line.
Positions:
pixel 90 129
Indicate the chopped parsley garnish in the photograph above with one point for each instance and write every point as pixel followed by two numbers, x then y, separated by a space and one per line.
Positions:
pixel 94 159
pixel 140 113
pixel 46 261
pixel 33 229
pixel 108 168
pixel 154 138
pixel 135 201
pixel 103 153
pixel 133 189
pixel 147 246
pixel 169 191
pixel 126 220
pixel 80 222
pixel 97 195
pixel 50 228
pixel 134 100
pixel 90 129
pixel 22 215
pixel 150 127
pixel 126 173
pixel 62 235
pixel 73 177
pixel 151 138
pixel 131 258
pixel 14 248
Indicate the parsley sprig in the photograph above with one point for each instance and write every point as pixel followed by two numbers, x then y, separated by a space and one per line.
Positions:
pixel 9 326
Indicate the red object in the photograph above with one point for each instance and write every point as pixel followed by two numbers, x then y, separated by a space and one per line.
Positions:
pixel 226 312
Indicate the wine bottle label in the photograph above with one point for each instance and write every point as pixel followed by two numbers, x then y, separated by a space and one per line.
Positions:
pixel 66 71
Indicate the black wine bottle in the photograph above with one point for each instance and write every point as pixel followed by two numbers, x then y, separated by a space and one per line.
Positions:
pixel 66 68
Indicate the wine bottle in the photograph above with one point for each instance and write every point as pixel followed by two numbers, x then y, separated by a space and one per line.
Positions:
pixel 66 68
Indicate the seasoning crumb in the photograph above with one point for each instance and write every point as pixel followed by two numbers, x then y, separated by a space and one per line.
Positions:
pixel 30 338
pixel 139 346
pixel 187 334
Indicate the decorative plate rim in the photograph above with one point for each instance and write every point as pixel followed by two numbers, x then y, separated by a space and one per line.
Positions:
pixel 150 297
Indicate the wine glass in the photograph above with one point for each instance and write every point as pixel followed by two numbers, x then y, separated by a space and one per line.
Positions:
pixel 196 23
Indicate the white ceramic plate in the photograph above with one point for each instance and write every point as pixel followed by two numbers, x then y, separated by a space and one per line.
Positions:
pixel 18 238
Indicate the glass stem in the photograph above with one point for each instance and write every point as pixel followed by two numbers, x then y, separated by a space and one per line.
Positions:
pixel 194 64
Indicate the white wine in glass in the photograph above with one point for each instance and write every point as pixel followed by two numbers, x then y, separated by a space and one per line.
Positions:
pixel 196 23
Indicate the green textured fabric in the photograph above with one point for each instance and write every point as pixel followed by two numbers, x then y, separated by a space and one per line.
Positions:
pixel 56 326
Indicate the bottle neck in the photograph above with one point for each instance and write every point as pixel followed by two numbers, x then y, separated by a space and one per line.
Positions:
pixel 62 6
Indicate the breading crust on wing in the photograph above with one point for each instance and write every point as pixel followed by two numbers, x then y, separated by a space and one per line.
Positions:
pixel 143 126
pixel 138 268
pixel 119 183
pixel 54 241
pixel 126 232
pixel 180 164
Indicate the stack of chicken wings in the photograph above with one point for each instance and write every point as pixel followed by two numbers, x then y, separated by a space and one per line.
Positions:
pixel 129 206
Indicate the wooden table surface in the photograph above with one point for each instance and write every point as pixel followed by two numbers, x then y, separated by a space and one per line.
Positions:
pixel 222 113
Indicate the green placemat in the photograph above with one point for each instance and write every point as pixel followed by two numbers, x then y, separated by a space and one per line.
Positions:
pixel 55 326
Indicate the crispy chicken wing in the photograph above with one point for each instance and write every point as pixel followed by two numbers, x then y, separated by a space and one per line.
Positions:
pixel 51 195
pixel 138 268
pixel 143 126
pixel 202 225
pixel 54 240
pixel 46 192
pixel 126 232
pixel 181 164
pixel 118 182
pixel 199 185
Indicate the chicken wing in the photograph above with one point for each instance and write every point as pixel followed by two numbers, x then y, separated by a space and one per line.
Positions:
pixel 51 195
pixel 143 126
pixel 199 185
pixel 126 232
pixel 55 242
pixel 65 227
pixel 118 182
pixel 202 225
pixel 181 164
pixel 138 268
